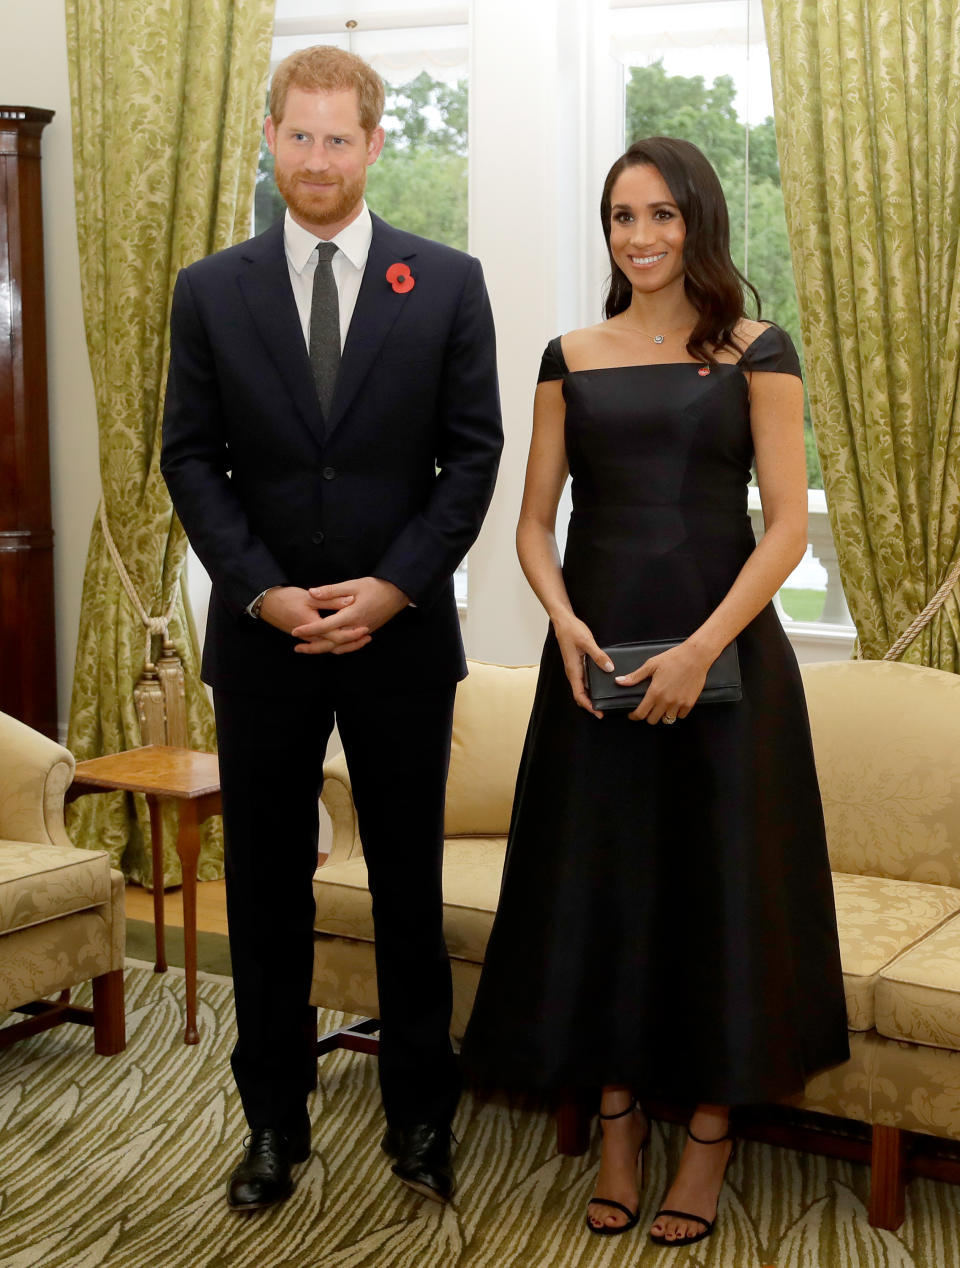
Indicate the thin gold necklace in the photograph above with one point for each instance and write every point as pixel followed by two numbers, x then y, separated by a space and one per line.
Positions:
pixel 656 338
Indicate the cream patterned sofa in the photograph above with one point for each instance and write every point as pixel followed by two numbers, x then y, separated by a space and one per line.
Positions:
pixel 489 723
pixel 61 909
pixel 887 744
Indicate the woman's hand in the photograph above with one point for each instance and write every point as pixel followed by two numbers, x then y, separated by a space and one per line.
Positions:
pixel 575 642
pixel 676 680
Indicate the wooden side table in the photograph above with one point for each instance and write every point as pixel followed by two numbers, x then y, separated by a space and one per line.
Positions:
pixel 192 781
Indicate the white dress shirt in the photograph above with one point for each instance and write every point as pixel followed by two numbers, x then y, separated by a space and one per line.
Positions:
pixel 300 246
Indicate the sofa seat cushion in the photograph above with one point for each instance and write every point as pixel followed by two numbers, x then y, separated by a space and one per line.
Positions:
pixel 918 996
pixel 471 888
pixel 879 919
pixel 41 882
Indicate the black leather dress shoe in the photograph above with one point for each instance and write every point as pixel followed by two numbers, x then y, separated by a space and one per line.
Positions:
pixel 422 1155
pixel 264 1175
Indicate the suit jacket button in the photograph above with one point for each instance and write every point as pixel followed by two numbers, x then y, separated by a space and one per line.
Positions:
pixel 328 473
pixel 317 538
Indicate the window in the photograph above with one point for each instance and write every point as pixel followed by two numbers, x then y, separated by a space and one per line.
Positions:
pixel 700 71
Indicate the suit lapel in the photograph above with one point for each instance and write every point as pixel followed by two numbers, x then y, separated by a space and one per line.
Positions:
pixel 378 307
pixel 265 284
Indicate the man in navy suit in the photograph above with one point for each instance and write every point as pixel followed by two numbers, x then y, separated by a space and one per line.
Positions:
pixel 330 441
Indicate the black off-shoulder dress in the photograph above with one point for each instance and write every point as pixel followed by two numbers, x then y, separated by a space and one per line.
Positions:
pixel 667 917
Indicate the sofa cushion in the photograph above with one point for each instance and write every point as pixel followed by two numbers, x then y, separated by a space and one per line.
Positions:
pixel 918 996
pixel 878 920
pixel 471 888
pixel 42 882
pixel 489 725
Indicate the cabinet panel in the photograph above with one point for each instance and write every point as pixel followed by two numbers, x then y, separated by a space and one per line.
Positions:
pixel 28 676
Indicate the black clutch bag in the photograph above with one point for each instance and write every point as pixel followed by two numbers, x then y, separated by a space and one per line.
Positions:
pixel 722 684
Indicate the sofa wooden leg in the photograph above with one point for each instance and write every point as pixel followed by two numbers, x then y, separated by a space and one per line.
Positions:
pixel 109 1021
pixel 888 1177
pixel 573 1124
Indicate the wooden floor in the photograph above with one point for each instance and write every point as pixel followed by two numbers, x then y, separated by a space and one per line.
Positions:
pixel 211 906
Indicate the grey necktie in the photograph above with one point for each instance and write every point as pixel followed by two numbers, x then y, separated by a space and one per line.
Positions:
pixel 325 327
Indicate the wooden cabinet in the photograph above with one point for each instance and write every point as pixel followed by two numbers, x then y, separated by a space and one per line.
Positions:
pixel 28 671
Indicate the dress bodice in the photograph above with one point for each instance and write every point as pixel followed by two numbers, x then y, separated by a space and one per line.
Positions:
pixel 664 434
pixel 660 459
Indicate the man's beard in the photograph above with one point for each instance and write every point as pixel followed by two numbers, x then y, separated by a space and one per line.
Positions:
pixel 316 208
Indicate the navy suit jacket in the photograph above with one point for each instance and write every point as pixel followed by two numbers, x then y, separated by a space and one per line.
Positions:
pixel 394 484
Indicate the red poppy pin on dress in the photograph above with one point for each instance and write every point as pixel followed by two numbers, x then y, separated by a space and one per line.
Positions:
pixel 704 369
pixel 400 278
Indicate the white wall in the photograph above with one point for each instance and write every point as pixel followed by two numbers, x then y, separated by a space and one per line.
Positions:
pixel 545 125
pixel 33 72
pixel 513 152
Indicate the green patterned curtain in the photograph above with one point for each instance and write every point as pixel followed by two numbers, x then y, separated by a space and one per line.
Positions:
pixel 167 99
pixel 867 96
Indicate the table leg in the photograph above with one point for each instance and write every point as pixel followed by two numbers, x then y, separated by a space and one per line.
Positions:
pixel 188 848
pixel 156 853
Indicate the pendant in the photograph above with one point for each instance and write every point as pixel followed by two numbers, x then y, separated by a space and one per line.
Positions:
pixel 658 338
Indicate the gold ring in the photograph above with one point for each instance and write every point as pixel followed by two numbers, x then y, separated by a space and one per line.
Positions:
pixel 669 718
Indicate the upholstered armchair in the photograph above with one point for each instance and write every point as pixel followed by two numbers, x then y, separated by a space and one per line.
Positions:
pixel 61 909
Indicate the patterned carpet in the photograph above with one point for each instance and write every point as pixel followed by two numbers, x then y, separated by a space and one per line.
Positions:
pixel 121 1162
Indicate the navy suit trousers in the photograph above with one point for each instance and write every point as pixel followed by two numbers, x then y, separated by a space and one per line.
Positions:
pixel 397 747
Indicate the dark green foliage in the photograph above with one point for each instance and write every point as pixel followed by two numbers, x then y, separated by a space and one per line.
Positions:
pixel 423 191
pixel 268 206
pixel 420 180
pixel 426 114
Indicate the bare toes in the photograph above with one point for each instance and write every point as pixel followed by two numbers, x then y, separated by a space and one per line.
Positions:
pixel 604 1219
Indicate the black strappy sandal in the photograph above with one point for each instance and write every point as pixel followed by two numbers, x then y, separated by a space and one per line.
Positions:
pixel 607 1230
pixel 662 1240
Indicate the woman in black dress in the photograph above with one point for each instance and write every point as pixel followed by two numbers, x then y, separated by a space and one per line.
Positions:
pixel 666 927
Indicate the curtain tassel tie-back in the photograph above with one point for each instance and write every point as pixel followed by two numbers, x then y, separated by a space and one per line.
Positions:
pixel 160 692
pixel 923 619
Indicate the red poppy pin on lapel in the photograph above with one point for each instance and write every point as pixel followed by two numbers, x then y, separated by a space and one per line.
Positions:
pixel 400 278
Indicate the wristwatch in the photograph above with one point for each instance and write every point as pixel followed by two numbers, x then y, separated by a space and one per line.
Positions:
pixel 257 604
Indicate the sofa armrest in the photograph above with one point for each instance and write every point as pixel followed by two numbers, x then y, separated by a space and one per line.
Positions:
pixel 337 797
pixel 34 775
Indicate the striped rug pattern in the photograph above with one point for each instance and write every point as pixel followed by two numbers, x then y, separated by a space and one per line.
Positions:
pixel 121 1162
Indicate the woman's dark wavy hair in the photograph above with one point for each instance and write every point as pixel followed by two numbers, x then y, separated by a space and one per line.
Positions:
pixel 714 284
